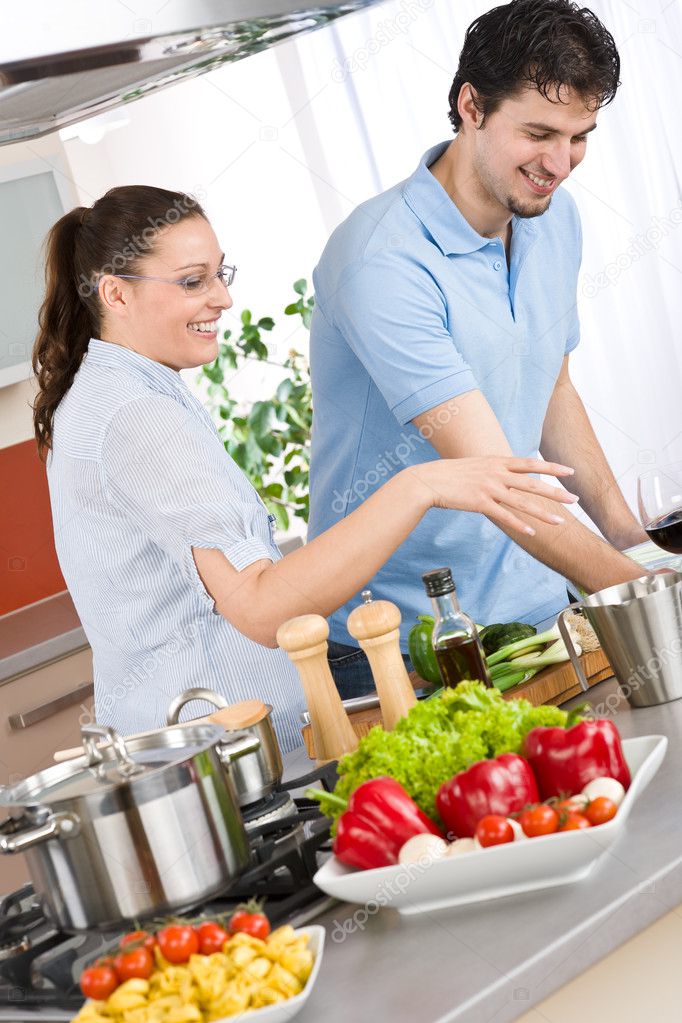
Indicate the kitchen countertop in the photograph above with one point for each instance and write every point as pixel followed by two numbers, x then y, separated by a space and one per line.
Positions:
pixel 493 961
pixel 38 634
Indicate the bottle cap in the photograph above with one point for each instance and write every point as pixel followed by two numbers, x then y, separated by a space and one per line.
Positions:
pixel 438 582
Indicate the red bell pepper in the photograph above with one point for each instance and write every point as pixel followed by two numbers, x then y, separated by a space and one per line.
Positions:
pixel 500 786
pixel 564 760
pixel 379 819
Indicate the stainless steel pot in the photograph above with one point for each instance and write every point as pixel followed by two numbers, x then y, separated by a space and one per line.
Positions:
pixel 639 626
pixel 142 827
pixel 255 774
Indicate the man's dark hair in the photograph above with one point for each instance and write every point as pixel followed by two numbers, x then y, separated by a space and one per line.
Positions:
pixel 541 43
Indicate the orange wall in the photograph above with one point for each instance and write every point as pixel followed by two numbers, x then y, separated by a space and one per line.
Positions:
pixel 29 569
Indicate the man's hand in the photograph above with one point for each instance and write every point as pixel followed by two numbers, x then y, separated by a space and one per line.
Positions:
pixel 466 426
pixel 567 436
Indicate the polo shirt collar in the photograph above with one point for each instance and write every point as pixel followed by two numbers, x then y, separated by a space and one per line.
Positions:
pixel 114 356
pixel 429 201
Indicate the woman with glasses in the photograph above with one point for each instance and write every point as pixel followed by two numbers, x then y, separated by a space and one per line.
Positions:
pixel 166 548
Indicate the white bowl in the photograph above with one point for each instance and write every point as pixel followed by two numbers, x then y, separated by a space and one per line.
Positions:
pixel 521 866
pixel 284 1011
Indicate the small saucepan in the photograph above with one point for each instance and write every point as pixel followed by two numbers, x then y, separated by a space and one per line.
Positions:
pixel 256 774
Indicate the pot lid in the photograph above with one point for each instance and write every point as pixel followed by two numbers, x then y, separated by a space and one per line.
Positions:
pixel 123 762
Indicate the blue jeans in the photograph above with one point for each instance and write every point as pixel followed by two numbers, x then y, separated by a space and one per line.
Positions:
pixel 351 671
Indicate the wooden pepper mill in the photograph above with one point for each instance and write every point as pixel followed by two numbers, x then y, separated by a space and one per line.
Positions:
pixel 305 641
pixel 375 625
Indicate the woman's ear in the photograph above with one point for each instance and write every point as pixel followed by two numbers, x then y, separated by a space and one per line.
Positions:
pixel 114 294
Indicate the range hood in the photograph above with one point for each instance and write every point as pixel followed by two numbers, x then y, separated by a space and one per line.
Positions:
pixel 62 61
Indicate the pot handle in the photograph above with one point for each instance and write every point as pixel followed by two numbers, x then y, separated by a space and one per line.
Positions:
pixel 566 636
pixel 57 825
pixel 236 745
pixel 196 693
pixel 126 765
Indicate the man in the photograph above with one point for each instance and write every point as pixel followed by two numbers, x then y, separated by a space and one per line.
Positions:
pixel 445 315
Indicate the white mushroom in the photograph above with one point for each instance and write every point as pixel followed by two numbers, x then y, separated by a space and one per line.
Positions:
pixel 461 846
pixel 424 849
pixel 609 787
pixel 519 833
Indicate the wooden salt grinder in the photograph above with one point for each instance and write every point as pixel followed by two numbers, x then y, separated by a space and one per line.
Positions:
pixel 375 625
pixel 305 641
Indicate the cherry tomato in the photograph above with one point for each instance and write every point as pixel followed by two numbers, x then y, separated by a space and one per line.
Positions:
pixel 138 938
pixel 574 822
pixel 255 924
pixel 98 982
pixel 212 937
pixel 494 829
pixel 539 820
pixel 178 942
pixel 600 810
pixel 104 961
pixel 139 962
pixel 572 804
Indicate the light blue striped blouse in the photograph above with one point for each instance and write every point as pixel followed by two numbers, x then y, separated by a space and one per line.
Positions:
pixel 138 475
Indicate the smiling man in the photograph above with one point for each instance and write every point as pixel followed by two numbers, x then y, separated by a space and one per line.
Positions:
pixel 445 315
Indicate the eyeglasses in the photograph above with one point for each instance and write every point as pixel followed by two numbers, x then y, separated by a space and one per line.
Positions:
pixel 197 284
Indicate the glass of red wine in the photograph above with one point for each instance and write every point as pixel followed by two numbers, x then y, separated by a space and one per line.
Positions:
pixel 659 495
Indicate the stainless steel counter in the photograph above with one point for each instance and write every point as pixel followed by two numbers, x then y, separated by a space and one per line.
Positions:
pixel 493 961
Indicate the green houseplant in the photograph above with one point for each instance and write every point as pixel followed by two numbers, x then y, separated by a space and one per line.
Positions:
pixel 269 439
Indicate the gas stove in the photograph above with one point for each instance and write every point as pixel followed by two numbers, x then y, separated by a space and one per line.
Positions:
pixel 289 838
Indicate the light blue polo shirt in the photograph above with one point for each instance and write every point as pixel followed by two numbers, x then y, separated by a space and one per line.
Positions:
pixel 414 307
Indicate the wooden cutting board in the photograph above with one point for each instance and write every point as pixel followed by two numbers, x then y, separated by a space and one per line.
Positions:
pixel 553 685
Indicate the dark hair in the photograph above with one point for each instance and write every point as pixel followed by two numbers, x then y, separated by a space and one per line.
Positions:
pixel 545 43
pixel 115 233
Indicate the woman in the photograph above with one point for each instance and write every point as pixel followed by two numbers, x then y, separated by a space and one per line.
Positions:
pixel 165 546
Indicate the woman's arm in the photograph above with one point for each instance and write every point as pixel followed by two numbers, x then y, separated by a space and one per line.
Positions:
pixel 325 573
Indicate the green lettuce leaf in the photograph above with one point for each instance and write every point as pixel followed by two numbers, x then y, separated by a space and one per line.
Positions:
pixel 439 738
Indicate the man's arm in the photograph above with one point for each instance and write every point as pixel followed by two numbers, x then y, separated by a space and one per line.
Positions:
pixel 567 436
pixel 466 426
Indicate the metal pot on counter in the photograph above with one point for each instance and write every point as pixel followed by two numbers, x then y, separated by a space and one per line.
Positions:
pixel 146 825
pixel 639 626
pixel 258 773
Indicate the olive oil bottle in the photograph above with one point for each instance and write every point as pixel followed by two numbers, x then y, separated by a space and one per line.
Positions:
pixel 455 640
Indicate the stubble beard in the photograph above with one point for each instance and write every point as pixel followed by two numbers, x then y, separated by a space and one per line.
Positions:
pixel 526 211
pixel 517 207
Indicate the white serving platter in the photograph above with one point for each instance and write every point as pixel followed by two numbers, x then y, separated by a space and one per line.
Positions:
pixel 521 866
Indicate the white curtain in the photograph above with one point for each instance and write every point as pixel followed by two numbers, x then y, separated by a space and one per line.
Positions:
pixel 387 102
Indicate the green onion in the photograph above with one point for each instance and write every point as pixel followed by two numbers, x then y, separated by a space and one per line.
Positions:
pixel 524 653
pixel 517 662
pixel 509 677
pixel 524 645
pixel 554 654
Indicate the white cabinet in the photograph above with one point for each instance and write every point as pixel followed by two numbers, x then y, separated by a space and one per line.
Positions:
pixel 40 712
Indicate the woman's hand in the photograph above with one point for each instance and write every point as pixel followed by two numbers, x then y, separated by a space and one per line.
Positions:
pixel 492 486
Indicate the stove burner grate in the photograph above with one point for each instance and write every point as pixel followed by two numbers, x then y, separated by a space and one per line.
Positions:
pixel 278 806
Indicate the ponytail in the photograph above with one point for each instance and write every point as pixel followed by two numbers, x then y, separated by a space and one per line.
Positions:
pixel 111 237
pixel 66 326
